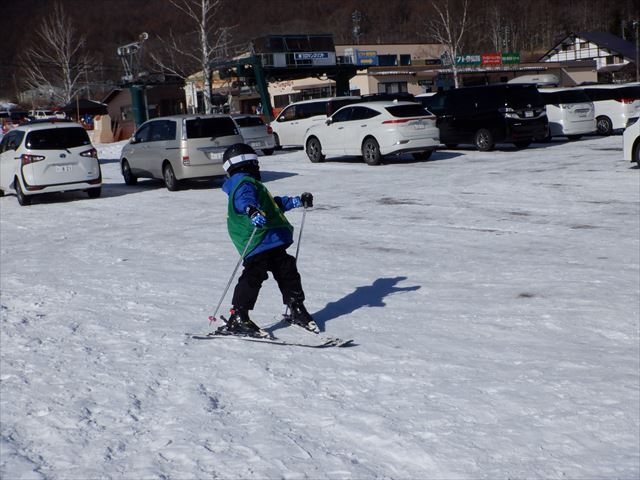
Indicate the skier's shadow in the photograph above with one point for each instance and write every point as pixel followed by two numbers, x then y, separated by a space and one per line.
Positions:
pixel 366 296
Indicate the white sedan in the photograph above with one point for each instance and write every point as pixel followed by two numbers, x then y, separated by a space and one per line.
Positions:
pixel 374 130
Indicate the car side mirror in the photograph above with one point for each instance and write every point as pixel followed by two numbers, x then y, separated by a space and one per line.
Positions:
pixel 329 121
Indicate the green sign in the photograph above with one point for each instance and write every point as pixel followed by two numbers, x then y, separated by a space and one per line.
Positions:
pixel 510 58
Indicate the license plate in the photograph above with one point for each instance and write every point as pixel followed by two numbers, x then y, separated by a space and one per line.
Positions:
pixel 418 126
pixel 255 144
pixel 528 114
pixel 216 155
pixel 63 168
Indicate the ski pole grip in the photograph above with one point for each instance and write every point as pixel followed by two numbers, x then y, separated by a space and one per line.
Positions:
pixel 307 200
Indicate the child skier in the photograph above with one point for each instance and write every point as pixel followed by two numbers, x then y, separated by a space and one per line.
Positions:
pixel 255 216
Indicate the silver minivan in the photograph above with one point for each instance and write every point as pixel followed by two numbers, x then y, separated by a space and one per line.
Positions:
pixel 570 112
pixel 178 147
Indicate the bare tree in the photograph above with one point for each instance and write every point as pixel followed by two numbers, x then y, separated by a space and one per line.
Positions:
pixel 58 60
pixel 183 56
pixel 448 28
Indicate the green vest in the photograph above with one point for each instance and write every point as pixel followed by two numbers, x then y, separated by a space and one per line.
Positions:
pixel 240 226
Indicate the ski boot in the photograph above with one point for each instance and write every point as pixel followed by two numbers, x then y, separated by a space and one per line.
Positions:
pixel 298 315
pixel 239 323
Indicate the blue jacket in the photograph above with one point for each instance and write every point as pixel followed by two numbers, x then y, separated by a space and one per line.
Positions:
pixel 246 195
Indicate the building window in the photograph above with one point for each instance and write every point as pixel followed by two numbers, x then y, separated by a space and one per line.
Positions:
pixel 388 60
pixel 125 112
pixel 392 87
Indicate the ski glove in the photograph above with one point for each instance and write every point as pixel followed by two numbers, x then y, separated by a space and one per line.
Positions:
pixel 296 202
pixel 257 217
pixel 307 200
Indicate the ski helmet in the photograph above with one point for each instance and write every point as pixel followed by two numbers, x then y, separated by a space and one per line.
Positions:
pixel 239 157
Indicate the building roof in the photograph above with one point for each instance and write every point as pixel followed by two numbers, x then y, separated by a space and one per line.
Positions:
pixel 611 42
pixel 604 40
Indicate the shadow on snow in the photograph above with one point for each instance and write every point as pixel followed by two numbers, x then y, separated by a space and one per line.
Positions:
pixel 365 296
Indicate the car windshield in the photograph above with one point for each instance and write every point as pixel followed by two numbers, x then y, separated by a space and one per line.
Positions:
pixel 410 110
pixel 210 127
pixel 249 121
pixel 57 139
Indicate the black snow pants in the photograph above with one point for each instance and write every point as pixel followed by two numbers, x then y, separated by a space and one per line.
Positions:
pixel 285 273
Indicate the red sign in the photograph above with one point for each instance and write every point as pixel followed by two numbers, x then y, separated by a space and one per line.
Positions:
pixel 491 58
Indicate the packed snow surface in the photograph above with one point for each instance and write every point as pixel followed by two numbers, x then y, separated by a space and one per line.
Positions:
pixel 493 299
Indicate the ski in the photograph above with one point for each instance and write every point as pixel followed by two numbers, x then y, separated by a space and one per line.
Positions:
pixel 325 342
pixel 315 331
pixel 310 327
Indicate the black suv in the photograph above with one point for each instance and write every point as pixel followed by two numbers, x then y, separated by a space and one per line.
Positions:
pixel 490 114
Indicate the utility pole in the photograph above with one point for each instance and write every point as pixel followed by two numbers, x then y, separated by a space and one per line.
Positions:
pixel 636 24
pixel 356 31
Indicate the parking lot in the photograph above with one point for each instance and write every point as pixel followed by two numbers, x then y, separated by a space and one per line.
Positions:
pixel 494 298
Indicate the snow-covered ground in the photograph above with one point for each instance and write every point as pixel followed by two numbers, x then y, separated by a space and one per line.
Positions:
pixel 494 299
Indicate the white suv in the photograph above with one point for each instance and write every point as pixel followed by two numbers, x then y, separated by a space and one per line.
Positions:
pixel 42 114
pixel 570 112
pixel 48 157
pixel 178 147
pixel 631 142
pixel 292 123
pixel 615 104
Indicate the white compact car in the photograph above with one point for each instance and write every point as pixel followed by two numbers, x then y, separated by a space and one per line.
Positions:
pixel 255 132
pixel 374 130
pixel 631 142
pixel 48 157
pixel 570 112
pixel 179 147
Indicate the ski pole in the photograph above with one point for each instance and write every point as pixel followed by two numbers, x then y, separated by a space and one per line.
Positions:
pixel 304 214
pixel 213 318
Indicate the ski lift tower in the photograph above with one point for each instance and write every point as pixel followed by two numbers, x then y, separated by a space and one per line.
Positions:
pixel 131 56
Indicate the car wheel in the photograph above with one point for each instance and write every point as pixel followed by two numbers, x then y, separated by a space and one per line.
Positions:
pixel 129 177
pixel 94 192
pixel 422 155
pixel 483 140
pixel 268 151
pixel 371 152
pixel 23 199
pixel 546 138
pixel 635 155
pixel 277 139
pixel 314 150
pixel 170 180
pixel 604 125
pixel 522 143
